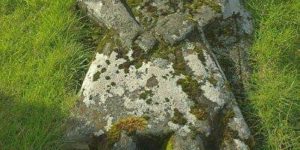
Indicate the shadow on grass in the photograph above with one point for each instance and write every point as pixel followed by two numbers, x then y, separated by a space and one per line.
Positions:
pixel 23 125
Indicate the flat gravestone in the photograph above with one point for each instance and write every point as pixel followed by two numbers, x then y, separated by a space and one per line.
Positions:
pixel 156 83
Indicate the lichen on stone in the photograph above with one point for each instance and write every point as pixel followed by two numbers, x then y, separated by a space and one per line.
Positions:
pixel 156 73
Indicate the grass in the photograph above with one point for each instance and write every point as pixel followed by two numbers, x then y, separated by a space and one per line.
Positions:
pixel 43 60
pixel 42 63
pixel 273 109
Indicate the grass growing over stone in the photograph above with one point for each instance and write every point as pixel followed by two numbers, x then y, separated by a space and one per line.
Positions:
pixel 275 89
pixel 42 63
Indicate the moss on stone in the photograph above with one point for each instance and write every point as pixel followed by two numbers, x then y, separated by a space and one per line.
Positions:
pixel 149 101
pixel 162 50
pixel 178 117
pixel 109 37
pixel 201 57
pixel 130 125
pixel 107 62
pixel 139 56
pixel 96 76
pixel 190 86
pixel 196 4
pixel 113 84
pixel 146 94
pixel 167 99
pixel 107 77
pixel 179 64
pixel 229 135
pixel 228 115
pixel 199 112
pixel 146 117
pixel 103 70
pixel 134 3
pixel 212 80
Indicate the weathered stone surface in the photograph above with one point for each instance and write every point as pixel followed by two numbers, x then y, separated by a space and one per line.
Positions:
pixel 114 14
pixel 125 143
pixel 177 142
pixel 174 28
pixel 146 41
pixel 163 87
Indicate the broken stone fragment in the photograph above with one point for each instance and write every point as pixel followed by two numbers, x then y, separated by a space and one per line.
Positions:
pixel 113 14
pixel 146 41
pixel 174 28
pixel 205 16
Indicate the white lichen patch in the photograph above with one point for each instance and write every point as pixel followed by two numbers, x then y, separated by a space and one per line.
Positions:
pixel 129 86
pixel 240 145
pixel 196 65
pixel 238 124
pixel 213 93
pixel 216 93
pixel 99 133
pixel 109 120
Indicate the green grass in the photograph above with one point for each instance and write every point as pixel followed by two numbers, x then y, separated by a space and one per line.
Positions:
pixel 42 63
pixel 274 94
pixel 43 60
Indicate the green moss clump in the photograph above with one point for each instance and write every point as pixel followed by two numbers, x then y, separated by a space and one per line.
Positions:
pixel 103 70
pixel 145 95
pixel 196 4
pixel 130 125
pixel 107 62
pixel 230 114
pixel 201 56
pixel 162 50
pixel 107 77
pixel 199 112
pixel 190 86
pixel 212 80
pixel 179 64
pixel 113 84
pixel 134 3
pixel 139 56
pixel 167 99
pixel 96 76
pixel 230 134
pixel 178 117
pixel 149 101
pixel 109 37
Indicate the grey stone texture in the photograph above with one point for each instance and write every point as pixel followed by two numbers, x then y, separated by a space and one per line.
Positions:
pixel 163 86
